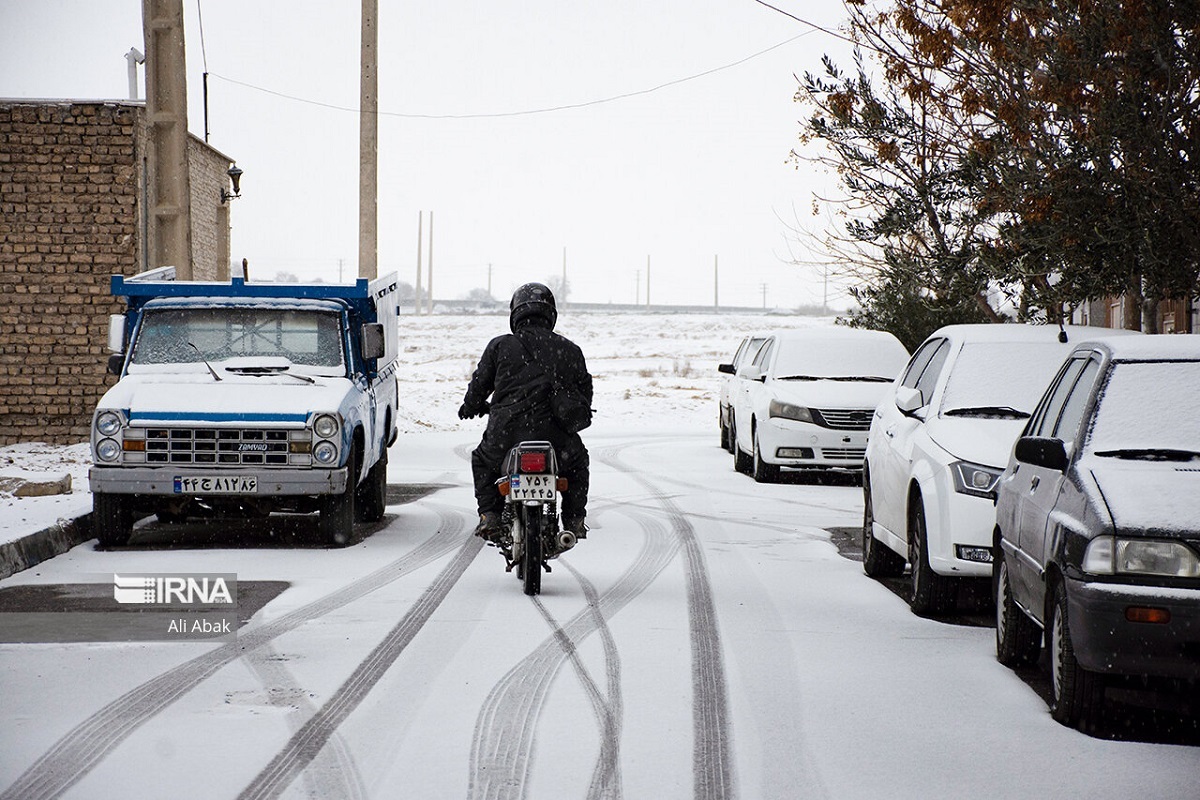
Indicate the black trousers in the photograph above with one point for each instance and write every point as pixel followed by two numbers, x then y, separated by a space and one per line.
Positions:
pixel 573 464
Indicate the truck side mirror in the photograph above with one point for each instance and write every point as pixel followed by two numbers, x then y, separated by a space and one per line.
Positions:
pixel 116 333
pixel 373 344
pixel 1042 452
pixel 115 362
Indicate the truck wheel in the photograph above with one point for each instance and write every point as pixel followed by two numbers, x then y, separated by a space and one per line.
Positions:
pixel 931 593
pixel 336 520
pixel 372 493
pixel 112 519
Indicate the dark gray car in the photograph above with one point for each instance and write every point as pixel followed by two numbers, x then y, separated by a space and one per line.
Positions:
pixel 1097 540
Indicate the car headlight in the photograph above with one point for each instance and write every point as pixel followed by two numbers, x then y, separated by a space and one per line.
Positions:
pixel 975 479
pixel 108 450
pixel 1107 555
pixel 325 426
pixel 777 408
pixel 108 423
pixel 325 452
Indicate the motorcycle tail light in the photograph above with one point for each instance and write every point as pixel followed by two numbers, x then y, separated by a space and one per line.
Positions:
pixel 533 462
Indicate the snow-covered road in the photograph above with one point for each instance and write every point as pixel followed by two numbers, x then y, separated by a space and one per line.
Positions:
pixel 706 640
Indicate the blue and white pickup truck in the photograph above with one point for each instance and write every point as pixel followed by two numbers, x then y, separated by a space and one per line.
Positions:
pixel 246 398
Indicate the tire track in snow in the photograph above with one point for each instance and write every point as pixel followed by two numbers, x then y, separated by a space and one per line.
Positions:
pixel 307 743
pixel 503 745
pixel 334 773
pixel 79 751
pixel 712 763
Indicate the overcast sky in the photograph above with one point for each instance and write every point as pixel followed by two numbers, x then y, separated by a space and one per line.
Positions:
pixel 677 174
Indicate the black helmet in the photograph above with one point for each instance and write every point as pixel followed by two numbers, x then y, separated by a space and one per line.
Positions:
pixel 532 300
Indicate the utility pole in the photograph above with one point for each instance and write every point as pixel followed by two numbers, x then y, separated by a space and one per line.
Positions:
pixel 489 281
pixel 368 144
pixel 429 287
pixel 637 290
pixel 417 291
pixel 563 286
pixel 166 115
pixel 716 285
pixel 340 262
pixel 647 279
pixel 764 291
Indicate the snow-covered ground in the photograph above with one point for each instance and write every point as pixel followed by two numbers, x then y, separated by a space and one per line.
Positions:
pixel 706 640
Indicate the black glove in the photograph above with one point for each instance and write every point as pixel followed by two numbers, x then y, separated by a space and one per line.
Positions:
pixel 467 412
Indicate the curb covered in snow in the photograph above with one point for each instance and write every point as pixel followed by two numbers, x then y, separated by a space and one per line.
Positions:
pixel 34 548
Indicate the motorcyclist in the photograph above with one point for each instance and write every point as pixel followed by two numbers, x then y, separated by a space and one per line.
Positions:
pixel 513 371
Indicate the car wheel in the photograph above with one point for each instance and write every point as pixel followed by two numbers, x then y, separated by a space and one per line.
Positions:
pixel 1018 639
pixel 879 560
pixel 1078 694
pixel 763 472
pixel 724 432
pixel 741 462
pixel 931 593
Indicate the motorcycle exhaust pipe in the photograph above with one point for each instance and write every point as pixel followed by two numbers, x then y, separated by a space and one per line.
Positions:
pixel 566 540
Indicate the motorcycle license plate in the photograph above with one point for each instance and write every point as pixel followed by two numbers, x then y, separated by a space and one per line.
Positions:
pixel 231 484
pixel 531 487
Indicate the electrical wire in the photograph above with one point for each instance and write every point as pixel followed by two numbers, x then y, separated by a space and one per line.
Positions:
pixel 528 112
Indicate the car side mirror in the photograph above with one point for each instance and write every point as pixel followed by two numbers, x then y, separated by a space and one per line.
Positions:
pixel 1042 452
pixel 751 372
pixel 373 345
pixel 909 400
pixel 725 368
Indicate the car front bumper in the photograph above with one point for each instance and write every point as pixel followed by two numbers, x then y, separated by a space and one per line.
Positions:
pixel 1105 641
pixel 801 445
pixel 270 482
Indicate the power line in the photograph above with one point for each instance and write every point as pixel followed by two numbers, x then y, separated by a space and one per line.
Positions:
pixel 528 112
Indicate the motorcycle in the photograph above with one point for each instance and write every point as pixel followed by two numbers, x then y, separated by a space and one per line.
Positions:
pixel 530 535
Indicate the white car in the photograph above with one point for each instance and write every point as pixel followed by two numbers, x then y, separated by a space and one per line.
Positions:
pixel 805 401
pixel 938 444
pixel 745 353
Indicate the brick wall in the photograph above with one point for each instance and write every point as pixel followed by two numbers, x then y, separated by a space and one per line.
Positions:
pixel 69 176
pixel 70 216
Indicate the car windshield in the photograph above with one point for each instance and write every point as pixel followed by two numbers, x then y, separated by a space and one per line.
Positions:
pixel 1148 411
pixel 839 359
pixel 191 335
pixel 1000 379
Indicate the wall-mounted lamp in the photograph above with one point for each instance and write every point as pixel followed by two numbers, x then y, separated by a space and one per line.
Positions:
pixel 235 176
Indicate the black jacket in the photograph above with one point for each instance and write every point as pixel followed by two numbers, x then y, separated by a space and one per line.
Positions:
pixel 514 372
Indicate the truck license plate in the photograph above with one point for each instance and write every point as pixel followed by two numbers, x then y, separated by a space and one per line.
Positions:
pixel 226 484
pixel 532 487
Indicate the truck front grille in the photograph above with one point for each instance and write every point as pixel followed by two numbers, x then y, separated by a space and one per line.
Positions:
pixel 232 447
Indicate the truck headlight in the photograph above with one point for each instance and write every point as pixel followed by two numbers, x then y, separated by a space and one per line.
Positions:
pixel 1106 555
pixel 325 452
pixel 108 423
pixel 975 479
pixel 325 426
pixel 783 410
pixel 108 450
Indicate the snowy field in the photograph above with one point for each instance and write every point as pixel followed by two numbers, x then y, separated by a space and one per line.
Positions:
pixel 654 370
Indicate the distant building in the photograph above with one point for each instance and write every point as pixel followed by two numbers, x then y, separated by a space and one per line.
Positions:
pixel 73 195
pixel 1174 316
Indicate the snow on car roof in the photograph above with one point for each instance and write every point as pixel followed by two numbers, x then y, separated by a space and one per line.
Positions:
pixel 1020 332
pixel 1157 347
pixel 839 332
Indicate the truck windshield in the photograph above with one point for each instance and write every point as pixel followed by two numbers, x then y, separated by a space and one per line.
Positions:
pixel 186 335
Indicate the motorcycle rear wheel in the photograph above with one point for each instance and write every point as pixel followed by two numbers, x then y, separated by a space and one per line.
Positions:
pixel 531 552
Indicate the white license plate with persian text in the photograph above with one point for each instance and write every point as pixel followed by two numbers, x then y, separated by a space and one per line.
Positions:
pixel 532 487
pixel 225 484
